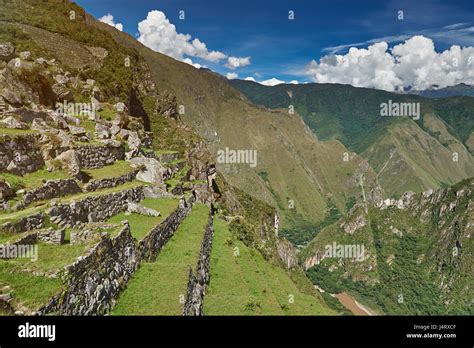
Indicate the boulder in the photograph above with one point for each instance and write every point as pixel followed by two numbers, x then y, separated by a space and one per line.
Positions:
pixel 7 51
pixel 150 170
pixel 133 141
pixel 62 93
pixel 140 209
pixel 11 97
pixel 25 55
pixel 102 131
pixel 70 161
pixel 120 107
pixel 61 79
pixel 77 131
pixel 12 123
pixel 6 191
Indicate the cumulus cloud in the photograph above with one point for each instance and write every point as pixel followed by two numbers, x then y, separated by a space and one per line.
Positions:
pixel 157 33
pixel 413 63
pixel 237 62
pixel 109 19
pixel 196 65
pixel 294 82
pixel 271 82
pixel 231 75
pixel 249 78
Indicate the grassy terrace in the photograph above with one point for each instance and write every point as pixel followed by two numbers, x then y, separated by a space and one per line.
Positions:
pixel 140 225
pixel 9 131
pixel 111 171
pixel 35 179
pixel 248 284
pixel 42 205
pixel 26 288
pixel 157 287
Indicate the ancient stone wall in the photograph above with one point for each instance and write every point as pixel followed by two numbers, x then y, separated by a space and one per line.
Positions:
pixel 110 182
pixel 99 156
pixel 199 280
pixel 20 154
pixel 94 282
pixel 150 246
pixel 23 224
pixel 50 189
pixel 94 208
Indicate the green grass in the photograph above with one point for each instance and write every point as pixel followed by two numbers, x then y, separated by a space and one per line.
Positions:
pixel 9 131
pixel 114 170
pixel 247 284
pixel 157 288
pixel 34 179
pixel 28 289
pixel 140 225
pixel 52 257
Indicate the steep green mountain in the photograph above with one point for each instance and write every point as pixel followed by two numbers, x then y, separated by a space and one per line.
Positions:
pixel 93 64
pixel 417 254
pixel 352 116
pixel 300 175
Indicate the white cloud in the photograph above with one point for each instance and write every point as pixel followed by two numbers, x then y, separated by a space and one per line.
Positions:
pixel 237 62
pixel 190 62
pixel 413 63
pixel 271 82
pixel 294 82
pixel 249 78
pixel 109 19
pixel 157 33
pixel 231 75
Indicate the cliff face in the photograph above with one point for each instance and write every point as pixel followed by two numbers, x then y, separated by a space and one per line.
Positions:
pixel 416 250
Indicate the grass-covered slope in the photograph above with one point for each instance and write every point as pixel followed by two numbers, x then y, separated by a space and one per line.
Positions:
pixel 244 283
pixel 159 288
pixel 352 115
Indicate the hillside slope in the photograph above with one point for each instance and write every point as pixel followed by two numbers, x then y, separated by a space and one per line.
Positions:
pixel 417 256
pixel 352 115
pixel 295 172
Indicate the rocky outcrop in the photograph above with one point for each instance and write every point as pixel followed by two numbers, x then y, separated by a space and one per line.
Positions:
pixel 150 170
pixel 70 162
pixel 199 280
pixel 7 51
pixel 287 253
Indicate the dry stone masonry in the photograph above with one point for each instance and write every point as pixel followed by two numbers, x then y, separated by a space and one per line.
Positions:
pixel 199 280
pixel 94 208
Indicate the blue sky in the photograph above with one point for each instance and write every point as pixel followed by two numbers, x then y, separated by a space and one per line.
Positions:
pixel 282 48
